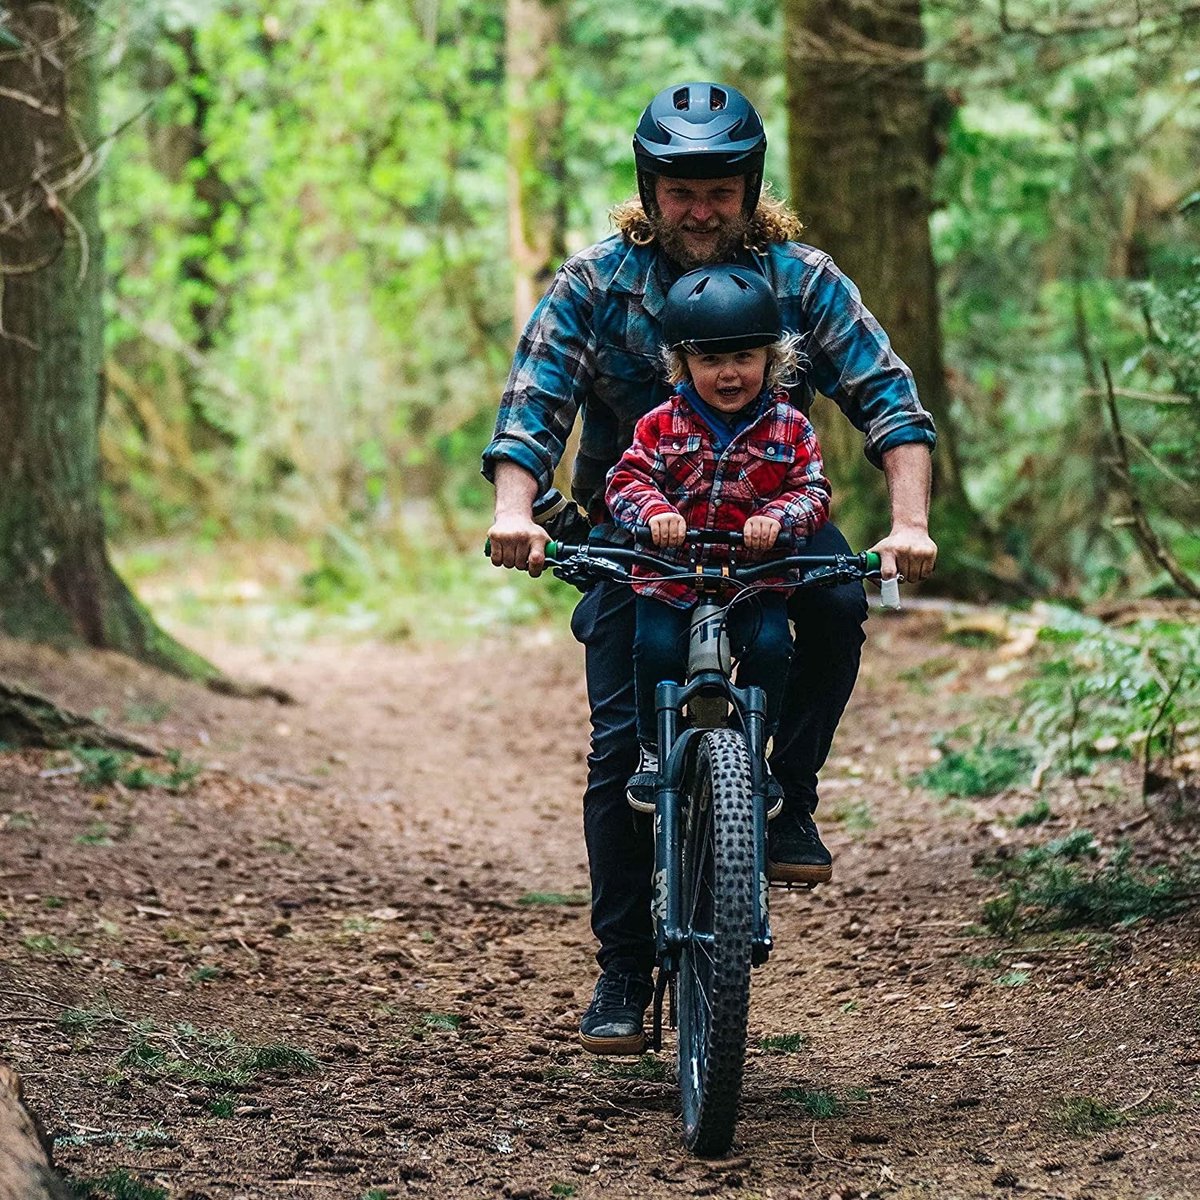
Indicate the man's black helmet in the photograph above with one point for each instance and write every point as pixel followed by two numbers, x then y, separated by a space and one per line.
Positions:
pixel 717 310
pixel 700 131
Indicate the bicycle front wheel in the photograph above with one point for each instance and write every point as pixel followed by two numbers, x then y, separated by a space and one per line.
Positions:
pixel 714 969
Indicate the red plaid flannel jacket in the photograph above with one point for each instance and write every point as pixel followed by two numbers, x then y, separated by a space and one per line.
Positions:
pixel 770 469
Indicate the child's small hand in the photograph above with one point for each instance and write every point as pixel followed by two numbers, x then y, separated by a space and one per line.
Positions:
pixel 668 530
pixel 760 533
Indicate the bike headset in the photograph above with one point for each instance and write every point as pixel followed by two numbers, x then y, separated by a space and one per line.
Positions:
pixel 700 131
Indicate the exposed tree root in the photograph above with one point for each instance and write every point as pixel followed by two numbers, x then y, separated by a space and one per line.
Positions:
pixel 29 719
pixel 26 1172
pixel 225 686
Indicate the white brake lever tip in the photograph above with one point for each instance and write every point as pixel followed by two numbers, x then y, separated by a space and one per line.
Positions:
pixel 889 593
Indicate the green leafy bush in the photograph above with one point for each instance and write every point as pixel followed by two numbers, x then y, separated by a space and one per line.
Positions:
pixel 1101 691
pixel 981 770
pixel 1056 886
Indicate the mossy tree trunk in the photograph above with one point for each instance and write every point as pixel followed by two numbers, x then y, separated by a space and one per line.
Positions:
pixel 56 581
pixel 862 144
pixel 536 104
pixel 537 161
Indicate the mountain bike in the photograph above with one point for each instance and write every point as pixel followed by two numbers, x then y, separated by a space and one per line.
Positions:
pixel 710 883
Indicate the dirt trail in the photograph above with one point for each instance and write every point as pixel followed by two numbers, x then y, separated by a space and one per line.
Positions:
pixel 389 876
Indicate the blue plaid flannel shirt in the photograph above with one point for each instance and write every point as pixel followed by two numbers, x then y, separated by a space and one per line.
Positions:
pixel 592 347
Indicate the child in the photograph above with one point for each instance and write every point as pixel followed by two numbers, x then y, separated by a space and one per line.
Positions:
pixel 726 452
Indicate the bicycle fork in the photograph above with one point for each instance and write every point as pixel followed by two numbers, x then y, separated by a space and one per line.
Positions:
pixel 677 751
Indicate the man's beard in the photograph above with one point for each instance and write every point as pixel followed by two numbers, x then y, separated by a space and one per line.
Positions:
pixel 729 242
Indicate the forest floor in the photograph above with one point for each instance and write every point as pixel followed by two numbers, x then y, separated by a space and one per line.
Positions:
pixel 389 877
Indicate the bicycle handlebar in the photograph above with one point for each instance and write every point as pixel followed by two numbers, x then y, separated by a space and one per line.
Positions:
pixel 601 560
pixel 604 559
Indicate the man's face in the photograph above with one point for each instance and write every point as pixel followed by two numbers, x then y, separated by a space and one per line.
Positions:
pixel 700 221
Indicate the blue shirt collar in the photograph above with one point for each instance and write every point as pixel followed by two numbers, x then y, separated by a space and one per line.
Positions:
pixel 723 426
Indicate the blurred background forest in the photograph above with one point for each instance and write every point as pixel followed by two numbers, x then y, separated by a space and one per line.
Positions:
pixel 324 217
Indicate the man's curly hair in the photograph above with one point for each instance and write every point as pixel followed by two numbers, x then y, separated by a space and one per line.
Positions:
pixel 773 221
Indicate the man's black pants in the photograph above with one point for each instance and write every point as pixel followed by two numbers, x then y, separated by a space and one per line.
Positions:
pixel 829 636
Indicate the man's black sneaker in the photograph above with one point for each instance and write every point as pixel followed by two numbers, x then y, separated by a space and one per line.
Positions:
pixel 795 852
pixel 612 1023
pixel 640 789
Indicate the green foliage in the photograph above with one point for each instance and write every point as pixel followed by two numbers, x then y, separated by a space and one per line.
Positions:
pixel 1101 691
pixel 648 1068
pixel 820 1105
pixel 1057 886
pixel 981 770
pixel 103 768
pixel 1035 814
pixel 47 943
pixel 1084 1116
pixel 441 1021
pixel 553 899
pixel 185 1053
pixel 784 1043
pixel 1012 979
pixel 1037 233
pixel 116 1185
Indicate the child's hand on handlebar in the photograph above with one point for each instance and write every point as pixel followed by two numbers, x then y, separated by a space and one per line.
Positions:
pixel 760 533
pixel 668 530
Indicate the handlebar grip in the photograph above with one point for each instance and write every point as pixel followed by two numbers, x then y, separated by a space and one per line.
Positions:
pixel 487 547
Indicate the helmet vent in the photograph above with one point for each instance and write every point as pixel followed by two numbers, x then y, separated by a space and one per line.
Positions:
pixel 740 282
pixel 682 99
pixel 699 288
pixel 717 100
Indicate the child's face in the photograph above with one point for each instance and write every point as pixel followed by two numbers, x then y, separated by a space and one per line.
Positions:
pixel 728 382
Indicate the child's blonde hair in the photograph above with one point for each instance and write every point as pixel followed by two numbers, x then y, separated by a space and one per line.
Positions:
pixel 786 363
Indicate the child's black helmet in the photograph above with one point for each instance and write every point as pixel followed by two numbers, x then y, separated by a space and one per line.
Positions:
pixel 720 309
pixel 700 131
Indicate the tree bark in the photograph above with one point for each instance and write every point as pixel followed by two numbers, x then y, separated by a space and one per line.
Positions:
pixel 56 581
pixel 25 1168
pixel 863 147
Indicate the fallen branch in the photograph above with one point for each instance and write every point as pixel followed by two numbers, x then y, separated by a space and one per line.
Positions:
pixel 29 719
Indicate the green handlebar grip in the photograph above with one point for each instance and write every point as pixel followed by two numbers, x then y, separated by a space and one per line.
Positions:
pixel 551 549
pixel 874 562
pixel 487 547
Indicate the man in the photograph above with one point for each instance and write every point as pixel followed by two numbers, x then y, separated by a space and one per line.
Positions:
pixel 592 347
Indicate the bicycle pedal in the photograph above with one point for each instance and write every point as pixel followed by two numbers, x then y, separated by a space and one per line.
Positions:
pixel 788 886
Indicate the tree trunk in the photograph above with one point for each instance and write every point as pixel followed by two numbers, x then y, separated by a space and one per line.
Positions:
pixel 536 152
pixel 25 1169
pixel 56 582
pixel 863 147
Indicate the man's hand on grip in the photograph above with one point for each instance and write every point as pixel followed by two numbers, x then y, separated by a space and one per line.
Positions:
pixel 518 541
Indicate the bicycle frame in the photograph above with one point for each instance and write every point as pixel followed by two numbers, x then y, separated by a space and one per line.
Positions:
pixel 709 695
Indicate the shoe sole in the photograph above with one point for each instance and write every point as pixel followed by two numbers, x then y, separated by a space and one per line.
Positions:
pixel 798 873
pixel 634 1044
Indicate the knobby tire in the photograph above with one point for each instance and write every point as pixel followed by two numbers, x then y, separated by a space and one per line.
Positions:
pixel 714 975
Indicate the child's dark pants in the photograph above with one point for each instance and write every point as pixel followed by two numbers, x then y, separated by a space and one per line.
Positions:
pixel 758 636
